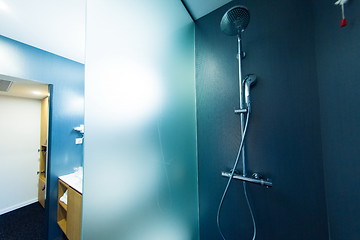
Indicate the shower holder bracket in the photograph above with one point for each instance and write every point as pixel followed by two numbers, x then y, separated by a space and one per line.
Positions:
pixel 243 110
pixel 243 55
pixel 256 179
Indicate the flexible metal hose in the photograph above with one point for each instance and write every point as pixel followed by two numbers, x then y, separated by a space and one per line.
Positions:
pixel 244 186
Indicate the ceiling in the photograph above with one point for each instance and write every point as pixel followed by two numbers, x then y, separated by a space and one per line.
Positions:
pixel 199 8
pixel 59 26
pixel 52 25
pixel 25 88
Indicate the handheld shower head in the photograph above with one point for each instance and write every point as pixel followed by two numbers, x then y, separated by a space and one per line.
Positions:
pixel 235 20
pixel 248 81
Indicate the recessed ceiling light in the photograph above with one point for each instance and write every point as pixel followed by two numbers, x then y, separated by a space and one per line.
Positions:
pixel 36 92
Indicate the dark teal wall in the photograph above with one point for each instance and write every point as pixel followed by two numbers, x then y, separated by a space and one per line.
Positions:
pixel 338 61
pixel 284 137
pixel 67 77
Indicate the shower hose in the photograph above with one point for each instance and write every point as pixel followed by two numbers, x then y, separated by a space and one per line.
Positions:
pixel 244 186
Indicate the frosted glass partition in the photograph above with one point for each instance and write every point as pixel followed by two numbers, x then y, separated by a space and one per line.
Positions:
pixel 140 160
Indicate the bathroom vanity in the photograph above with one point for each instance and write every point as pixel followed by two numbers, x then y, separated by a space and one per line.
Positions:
pixel 70 205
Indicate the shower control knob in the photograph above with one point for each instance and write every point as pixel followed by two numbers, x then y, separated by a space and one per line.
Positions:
pixel 269 180
pixel 257 176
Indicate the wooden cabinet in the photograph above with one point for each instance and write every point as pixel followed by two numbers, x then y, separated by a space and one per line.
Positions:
pixel 42 175
pixel 41 190
pixel 43 150
pixel 69 215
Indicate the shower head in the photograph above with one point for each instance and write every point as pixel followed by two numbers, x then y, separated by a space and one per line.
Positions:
pixel 235 20
pixel 248 81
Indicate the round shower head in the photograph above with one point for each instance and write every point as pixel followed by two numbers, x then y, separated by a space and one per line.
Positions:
pixel 235 20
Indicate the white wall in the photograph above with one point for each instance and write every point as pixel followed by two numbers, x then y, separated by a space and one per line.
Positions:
pixel 19 158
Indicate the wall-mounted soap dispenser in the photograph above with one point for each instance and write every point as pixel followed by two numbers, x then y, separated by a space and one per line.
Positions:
pixel 81 130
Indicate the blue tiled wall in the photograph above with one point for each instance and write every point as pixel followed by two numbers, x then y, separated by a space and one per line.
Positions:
pixel 284 137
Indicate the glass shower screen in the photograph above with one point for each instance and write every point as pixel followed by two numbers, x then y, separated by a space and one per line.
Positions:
pixel 140 160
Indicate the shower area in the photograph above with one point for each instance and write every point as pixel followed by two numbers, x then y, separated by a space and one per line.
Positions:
pixel 168 104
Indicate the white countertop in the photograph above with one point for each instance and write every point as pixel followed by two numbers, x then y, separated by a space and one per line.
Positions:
pixel 73 180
